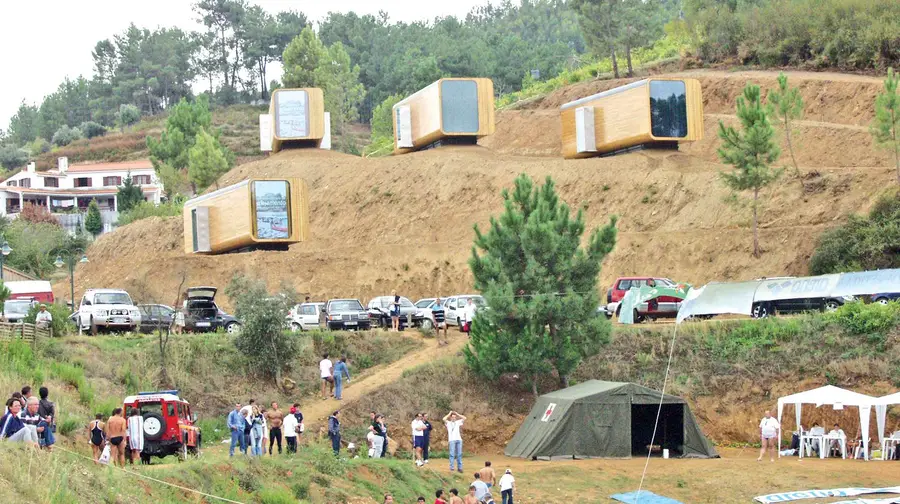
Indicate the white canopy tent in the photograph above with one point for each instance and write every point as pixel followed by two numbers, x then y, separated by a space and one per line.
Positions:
pixel 881 406
pixel 832 396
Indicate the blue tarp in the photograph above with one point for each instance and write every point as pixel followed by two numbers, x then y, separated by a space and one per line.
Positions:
pixel 643 497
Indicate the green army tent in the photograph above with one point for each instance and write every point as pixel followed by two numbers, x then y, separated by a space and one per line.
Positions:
pixel 607 419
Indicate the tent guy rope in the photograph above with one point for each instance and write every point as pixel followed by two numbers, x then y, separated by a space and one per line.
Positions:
pixel 662 398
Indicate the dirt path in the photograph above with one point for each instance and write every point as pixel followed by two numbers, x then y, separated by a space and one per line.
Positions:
pixel 316 412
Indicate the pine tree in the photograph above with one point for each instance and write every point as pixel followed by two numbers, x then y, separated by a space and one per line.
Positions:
pixel 93 223
pixel 206 161
pixel 887 118
pixel 128 195
pixel 540 285
pixel 751 151
pixel 787 105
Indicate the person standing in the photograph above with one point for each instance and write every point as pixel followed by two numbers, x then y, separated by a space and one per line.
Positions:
pixel 427 434
pixel 236 424
pixel 454 422
pixel 340 369
pixel 440 320
pixel 248 413
pixel 468 313
pixel 395 312
pixel 439 496
pixel 290 431
pixel 326 371
pixel 116 429
pixel 97 435
pixel 295 410
pixel 43 318
pixel 768 431
pixel 418 433
pixel 380 436
pixel 334 431
pixel 275 419
pixel 47 411
pixel 507 485
pixel 136 434
pixel 488 475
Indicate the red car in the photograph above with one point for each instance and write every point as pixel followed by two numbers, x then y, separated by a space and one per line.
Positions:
pixel 169 425
pixel 661 307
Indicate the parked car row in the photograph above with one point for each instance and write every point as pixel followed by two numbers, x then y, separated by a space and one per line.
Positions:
pixel 667 306
pixel 113 310
pixel 350 314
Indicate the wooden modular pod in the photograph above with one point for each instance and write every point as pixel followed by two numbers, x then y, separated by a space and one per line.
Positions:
pixel 644 112
pixel 252 212
pixel 447 108
pixel 298 116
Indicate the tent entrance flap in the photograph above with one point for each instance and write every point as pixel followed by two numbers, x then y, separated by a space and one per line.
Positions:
pixel 669 434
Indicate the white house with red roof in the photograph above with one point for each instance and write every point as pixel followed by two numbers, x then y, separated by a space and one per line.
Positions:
pixel 73 187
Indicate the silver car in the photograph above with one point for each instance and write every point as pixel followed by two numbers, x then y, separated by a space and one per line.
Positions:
pixel 17 309
pixel 454 306
pixel 305 317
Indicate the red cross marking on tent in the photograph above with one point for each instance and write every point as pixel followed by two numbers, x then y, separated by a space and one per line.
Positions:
pixel 550 408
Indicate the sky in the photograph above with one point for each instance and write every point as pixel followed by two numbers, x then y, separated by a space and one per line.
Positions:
pixel 44 41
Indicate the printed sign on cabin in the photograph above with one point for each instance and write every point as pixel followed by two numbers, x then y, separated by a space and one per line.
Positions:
pixel 292 114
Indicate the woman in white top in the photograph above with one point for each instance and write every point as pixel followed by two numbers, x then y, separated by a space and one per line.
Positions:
pixel 768 431
pixel 136 434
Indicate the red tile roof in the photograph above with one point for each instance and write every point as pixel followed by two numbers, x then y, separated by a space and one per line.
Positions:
pixel 87 191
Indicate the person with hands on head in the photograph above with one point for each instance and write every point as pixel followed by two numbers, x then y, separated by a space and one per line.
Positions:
pixel 454 422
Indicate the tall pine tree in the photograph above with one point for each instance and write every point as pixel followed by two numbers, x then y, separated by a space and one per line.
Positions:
pixel 751 151
pixel 541 286
pixel 887 118
pixel 128 195
pixel 93 222
pixel 787 105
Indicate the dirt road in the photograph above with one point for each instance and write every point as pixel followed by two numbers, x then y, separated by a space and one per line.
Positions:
pixel 314 413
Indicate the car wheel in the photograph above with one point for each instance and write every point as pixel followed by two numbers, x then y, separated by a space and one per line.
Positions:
pixel 183 451
pixel 458 322
pixel 145 459
pixel 93 327
pixel 637 317
pixel 233 328
pixel 760 310
pixel 295 327
pixel 154 426
pixel 427 324
pixel 882 301
pixel 831 305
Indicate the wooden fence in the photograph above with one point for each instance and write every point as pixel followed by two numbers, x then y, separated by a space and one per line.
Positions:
pixel 28 332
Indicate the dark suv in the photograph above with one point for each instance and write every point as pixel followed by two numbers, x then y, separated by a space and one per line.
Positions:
pixel 347 314
pixel 201 314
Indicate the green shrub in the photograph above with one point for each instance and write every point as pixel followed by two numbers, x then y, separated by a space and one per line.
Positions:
pixel 863 243
pixel 147 209
pixel 61 324
pixel 128 115
pixel 300 489
pixel 90 129
pixel 65 135
pixel 214 429
pixel 68 425
pixel 275 495
pixel 871 319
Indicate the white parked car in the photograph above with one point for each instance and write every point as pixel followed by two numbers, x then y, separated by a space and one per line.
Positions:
pixel 305 316
pixel 454 306
pixel 109 309
pixel 16 310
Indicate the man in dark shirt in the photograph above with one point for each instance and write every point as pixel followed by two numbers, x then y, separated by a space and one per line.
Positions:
pixel 334 431
pixel 427 434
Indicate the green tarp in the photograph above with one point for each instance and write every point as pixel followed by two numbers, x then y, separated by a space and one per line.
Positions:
pixel 607 419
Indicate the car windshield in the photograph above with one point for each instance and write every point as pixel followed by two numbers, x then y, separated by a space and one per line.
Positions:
pixel 345 305
pixel 424 303
pixel 477 300
pixel 112 298
pixel 405 303
pixel 17 307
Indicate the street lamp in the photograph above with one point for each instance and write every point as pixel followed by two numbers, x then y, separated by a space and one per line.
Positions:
pixel 5 250
pixel 70 260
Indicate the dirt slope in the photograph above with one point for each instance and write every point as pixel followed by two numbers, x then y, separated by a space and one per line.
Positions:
pixel 406 222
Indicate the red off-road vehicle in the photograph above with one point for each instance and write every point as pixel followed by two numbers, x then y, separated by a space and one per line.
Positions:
pixel 169 425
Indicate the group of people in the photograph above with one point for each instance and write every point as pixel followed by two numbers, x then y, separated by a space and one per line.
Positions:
pixel 28 419
pixel 251 426
pixel 123 436
pixel 479 491
pixel 333 376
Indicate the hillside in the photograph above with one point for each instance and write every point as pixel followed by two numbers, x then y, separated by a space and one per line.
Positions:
pixel 406 222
